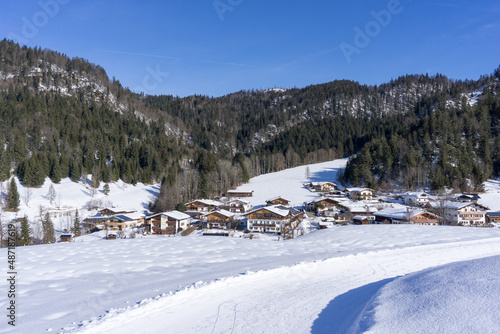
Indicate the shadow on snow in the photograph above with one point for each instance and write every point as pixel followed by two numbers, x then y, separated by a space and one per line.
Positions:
pixel 343 314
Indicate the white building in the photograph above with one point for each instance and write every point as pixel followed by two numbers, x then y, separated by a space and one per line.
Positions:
pixel 467 214
pixel 170 222
pixel 238 206
pixel 361 193
pixel 416 198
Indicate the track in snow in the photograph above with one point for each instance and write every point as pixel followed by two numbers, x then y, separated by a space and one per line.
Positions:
pixel 315 297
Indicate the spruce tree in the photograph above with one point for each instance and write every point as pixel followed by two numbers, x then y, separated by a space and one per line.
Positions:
pixel 48 229
pixel 106 189
pixel 12 196
pixel 24 238
pixel 76 230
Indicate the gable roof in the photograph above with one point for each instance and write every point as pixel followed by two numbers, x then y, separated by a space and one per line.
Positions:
pixel 172 214
pixel 277 197
pixel 357 190
pixel 400 213
pixel 222 212
pixel 207 202
pixel 280 211
pixel 461 205
pixel 238 200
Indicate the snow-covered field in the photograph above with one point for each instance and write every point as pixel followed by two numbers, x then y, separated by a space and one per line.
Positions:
pixel 337 280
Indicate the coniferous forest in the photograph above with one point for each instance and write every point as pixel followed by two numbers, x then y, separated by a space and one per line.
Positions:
pixel 64 117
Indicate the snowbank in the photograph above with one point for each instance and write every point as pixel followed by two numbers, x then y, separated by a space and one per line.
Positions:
pixel 456 298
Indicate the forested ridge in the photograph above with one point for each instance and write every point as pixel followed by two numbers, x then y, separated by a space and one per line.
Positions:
pixel 64 117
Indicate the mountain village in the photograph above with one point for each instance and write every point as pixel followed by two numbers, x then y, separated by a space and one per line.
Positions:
pixel 222 216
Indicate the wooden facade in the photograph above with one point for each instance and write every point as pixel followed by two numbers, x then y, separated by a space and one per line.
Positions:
pixel 278 201
pixel 203 205
pixel 236 193
pixel 272 219
pixel 66 237
pixel 168 222
pixel 323 186
pixel 219 219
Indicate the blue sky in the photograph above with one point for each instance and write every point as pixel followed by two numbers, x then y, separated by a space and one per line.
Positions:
pixel 215 47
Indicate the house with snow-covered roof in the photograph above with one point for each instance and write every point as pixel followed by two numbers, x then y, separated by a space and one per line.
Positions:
pixel 239 193
pixel 203 205
pixel 278 200
pixel 238 206
pixel 465 213
pixel 361 193
pixel 170 222
pixel 117 222
pixel 115 211
pixel 405 215
pixel 493 217
pixel 273 219
pixel 416 198
pixel 323 186
pixel 219 218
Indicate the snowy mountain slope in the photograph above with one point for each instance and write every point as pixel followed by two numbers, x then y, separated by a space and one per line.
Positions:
pixel 289 183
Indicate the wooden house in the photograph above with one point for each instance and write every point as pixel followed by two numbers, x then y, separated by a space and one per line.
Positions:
pixel 323 186
pixel 219 219
pixel 278 201
pixel 114 211
pixel 117 222
pixel 239 193
pixel 66 237
pixel 363 220
pixel 170 222
pixel 493 217
pixel 272 219
pixel 404 215
pixel 203 205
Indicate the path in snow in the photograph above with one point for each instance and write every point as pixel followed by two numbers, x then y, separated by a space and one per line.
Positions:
pixel 315 297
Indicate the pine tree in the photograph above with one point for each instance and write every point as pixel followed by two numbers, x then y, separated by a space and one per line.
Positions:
pixel 106 189
pixel 13 196
pixel 76 230
pixel 24 238
pixel 48 229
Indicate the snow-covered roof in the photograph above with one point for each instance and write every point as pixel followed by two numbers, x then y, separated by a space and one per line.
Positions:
pixel 239 200
pixel 460 205
pixel 416 193
pixel 277 197
pixel 208 202
pixel 357 190
pixel 317 184
pixel 279 211
pixel 399 213
pixel 223 212
pixel 239 191
pixel 177 215
pixel 361 217
pixel 172 214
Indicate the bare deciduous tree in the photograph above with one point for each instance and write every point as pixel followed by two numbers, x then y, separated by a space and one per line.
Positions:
pixel 51 194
